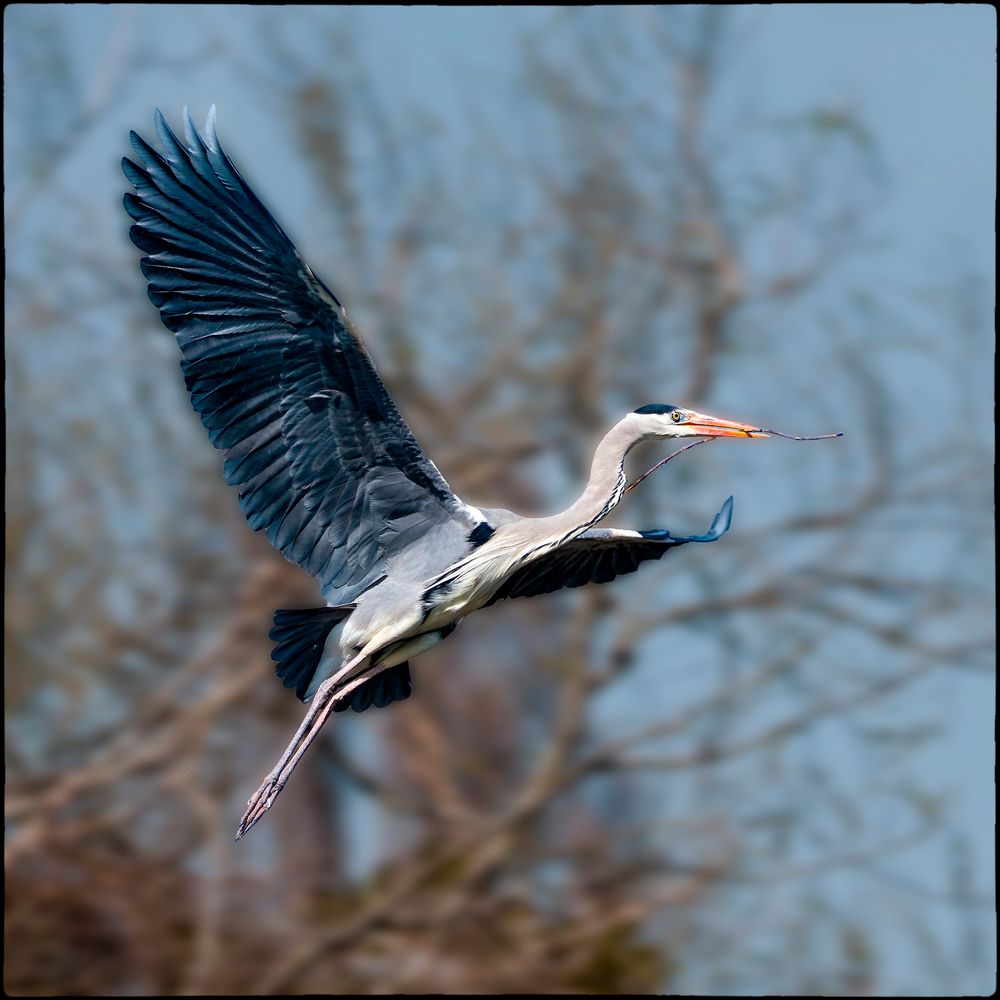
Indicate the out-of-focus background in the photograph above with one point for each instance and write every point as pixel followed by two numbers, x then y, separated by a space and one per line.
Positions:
pixel 764 765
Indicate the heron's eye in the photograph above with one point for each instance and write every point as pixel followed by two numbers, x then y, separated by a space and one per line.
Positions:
pixel 676 416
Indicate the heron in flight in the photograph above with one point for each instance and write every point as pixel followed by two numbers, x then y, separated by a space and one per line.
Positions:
pixel 324 462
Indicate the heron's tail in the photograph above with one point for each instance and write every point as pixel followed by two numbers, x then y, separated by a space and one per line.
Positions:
pixel 300 638
pixel 300 642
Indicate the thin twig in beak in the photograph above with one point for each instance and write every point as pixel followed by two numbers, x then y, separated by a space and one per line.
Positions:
pixel 633 485
pixel 796 437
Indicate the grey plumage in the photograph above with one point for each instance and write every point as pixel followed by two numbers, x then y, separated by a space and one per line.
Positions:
pixel 324 462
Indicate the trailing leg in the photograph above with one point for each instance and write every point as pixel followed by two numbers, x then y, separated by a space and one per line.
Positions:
pixel 328 695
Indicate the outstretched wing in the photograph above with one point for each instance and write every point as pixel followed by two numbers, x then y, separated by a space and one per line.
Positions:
pixel 325 464
pixel 599 555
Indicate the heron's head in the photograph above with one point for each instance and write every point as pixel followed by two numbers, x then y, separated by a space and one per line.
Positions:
pixel 663 420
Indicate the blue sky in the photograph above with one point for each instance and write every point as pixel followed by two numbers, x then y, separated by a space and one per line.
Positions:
pixel 923 77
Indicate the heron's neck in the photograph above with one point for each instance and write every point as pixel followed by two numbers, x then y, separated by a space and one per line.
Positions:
pixel 606 485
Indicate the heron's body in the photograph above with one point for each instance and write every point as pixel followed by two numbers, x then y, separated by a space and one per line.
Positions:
pixel 325 463
pixel 419 604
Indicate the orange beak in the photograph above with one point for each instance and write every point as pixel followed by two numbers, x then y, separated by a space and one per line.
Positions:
pixel 707 426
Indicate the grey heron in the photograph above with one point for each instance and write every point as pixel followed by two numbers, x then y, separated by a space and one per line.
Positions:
pixel 324 462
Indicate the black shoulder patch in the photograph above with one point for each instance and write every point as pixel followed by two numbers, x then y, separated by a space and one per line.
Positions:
pixel 655 408
pixel 482 532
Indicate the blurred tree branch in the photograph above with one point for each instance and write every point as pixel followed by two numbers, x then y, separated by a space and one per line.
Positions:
pixel 559 807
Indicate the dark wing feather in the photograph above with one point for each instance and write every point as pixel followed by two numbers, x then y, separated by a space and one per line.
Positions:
pixel 599 556
pixel 325 464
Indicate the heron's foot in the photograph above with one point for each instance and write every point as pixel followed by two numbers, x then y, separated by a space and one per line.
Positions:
pixel 263 799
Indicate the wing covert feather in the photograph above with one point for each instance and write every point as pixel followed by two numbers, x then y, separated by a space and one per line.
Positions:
pixel 600 555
